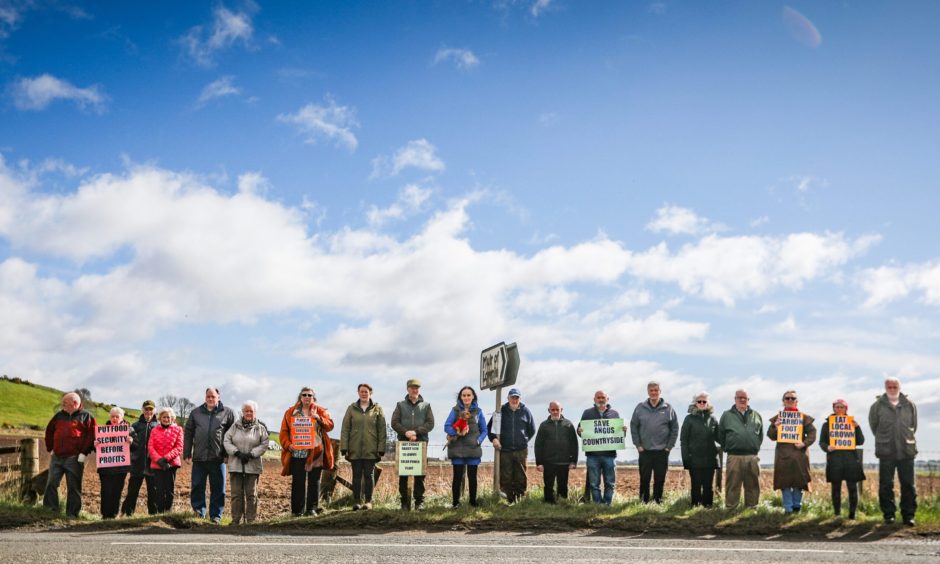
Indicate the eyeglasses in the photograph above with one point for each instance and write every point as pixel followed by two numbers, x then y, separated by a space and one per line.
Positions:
pixel 701 401
pixel 789 398
pixel 740 397
pixel 306 395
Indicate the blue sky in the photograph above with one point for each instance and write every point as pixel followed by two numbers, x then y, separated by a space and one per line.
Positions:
pixel 264 196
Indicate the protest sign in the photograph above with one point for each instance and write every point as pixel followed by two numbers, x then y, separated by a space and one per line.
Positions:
pixel 412 457
pixel 301 432
pixel 112 446
pixel 841 432
pixel 791 427
pixel 602 434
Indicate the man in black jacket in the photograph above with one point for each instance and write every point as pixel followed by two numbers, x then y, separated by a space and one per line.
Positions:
pixel 202 443
pixel 893 421
pixel 556 451
pixel 140 463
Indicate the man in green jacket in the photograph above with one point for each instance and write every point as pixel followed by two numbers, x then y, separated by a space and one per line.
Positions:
pixel 740 434
pixel 893 421
pixel 412 420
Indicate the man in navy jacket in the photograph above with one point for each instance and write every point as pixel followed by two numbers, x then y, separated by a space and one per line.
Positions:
pixel 517 427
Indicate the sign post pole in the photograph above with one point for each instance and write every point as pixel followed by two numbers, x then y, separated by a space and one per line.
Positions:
pixel 499 366
pixel 499 399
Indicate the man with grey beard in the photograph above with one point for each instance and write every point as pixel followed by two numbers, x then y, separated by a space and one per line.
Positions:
pixel 893 421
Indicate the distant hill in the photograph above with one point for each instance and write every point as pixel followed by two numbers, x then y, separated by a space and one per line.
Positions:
pixel 24 405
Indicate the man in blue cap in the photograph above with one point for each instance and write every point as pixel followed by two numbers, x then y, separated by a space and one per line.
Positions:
pixel 516 429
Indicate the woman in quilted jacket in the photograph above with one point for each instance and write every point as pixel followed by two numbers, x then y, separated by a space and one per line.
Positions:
pixel 165 449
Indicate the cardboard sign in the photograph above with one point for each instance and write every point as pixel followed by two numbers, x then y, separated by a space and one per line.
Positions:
pixel 112 446
pixel 841 432
pixel 412 457
pixel 301 432
pixel 602 434
pixel 791 427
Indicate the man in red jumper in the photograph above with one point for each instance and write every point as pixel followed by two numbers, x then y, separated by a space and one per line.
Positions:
pixel 70 437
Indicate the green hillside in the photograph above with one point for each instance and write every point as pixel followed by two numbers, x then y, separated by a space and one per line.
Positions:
pixel 25 405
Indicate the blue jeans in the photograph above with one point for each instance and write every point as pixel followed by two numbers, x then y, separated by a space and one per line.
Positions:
pixel 792 499
pixel 215 471
pixel 596 466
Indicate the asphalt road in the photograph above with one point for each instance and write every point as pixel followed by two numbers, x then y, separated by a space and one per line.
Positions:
pixel 440 547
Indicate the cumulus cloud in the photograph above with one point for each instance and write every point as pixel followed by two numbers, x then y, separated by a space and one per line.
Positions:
pixel 886 284
pixel 463 59
pixel 539 6
pixel 201 43
pixel 410 200
pixel 38 92
pixel 224 86
pixel 330 121
pixel 419 153
pixel 678 220
pixel 726 269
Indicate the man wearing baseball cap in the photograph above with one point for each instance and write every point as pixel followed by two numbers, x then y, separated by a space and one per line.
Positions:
pixel 140 463
pixel 412 420
pixel 517 427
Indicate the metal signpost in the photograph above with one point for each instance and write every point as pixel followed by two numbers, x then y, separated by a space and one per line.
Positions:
pixel 499 366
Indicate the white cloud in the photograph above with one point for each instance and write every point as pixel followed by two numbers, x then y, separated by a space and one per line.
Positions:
pixel 726 269
pixel 410 200
pixel 658 8
pixel 548 119
pixel 757 222
pixel 886 284
pixel 461 58
pixel 786 327
pixel 418 153
pixel 219 88
pixel 331 121
pixel 539 6
pixel 201 44
pixel 679 220
pixel 38 92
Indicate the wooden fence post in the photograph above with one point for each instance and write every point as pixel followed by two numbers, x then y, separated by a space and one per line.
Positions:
pixel 29 464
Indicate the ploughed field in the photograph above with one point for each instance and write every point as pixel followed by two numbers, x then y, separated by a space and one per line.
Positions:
pixel 274 489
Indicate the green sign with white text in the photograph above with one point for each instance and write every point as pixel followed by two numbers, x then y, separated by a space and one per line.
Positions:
pixel 602 434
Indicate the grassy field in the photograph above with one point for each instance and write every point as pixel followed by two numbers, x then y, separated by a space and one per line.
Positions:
pixel 30 406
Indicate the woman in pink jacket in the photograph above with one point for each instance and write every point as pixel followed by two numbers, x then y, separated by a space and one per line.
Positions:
pixel 165 448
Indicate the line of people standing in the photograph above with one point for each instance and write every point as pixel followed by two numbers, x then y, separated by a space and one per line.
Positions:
pixel 216 441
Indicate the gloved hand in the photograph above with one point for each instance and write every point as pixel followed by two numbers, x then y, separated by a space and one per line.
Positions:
pixel 163 463
pixel 343 452
pixel 81 458
pixel 244 457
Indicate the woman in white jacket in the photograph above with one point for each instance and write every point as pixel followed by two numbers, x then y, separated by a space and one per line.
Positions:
pixel 245 442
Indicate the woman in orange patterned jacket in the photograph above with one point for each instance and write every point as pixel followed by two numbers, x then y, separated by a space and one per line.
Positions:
pixel 304 462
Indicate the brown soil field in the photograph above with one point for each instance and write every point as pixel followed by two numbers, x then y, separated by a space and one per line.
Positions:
pixel 274 489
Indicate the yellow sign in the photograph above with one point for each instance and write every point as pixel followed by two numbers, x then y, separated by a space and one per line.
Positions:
pixel 791 427
pixel 842 432
pixel 412 457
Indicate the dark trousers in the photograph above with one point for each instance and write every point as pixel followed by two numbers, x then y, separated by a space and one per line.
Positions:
pixel 456 486
pixel 165 486
pixel 837 496
pixel 555 474
pixel 512 478
pixel 363 480
pixel 703 492
pixel 653 463
pixel 905 471
pixel 72 469
pixel 111 487
pixel 133 491
pixel 304 487
pixel 406 496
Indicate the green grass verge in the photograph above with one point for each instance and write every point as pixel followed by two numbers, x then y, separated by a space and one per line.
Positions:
pixel 673 518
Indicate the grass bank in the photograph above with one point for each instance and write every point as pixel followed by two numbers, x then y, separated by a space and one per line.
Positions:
pixel 673 518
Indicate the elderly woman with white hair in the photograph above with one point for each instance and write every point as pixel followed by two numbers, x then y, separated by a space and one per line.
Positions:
pixel 245 442
pixel 113 476
pixel 166 451
pixel 699 448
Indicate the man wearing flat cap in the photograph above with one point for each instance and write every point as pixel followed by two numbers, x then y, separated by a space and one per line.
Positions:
pixel 412 420
pixel 140 463
pixel 511 441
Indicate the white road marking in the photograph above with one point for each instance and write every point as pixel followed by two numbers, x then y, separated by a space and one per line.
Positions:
pixel 516 546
